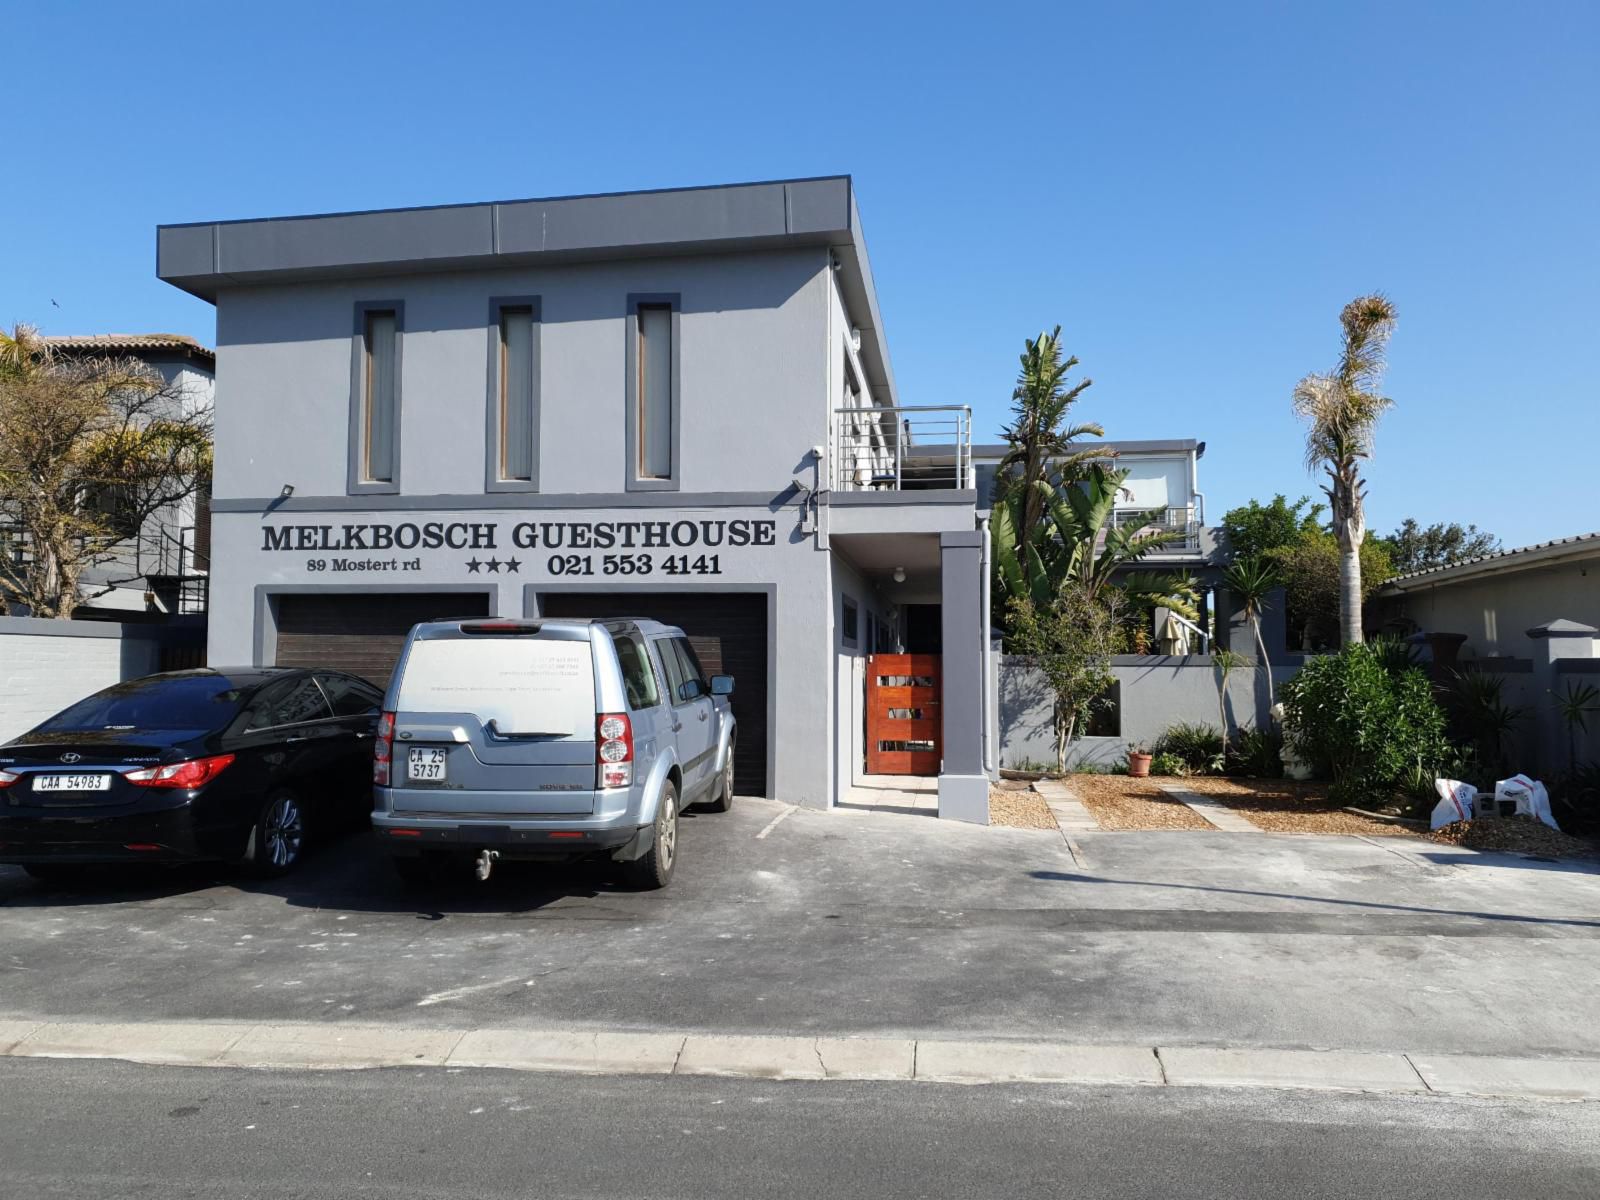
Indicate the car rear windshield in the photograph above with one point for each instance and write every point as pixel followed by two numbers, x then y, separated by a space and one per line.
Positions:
pixel 527 685
pixel 200 702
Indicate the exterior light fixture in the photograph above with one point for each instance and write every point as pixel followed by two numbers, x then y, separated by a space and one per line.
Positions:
pixel 288 490
pixel 899 574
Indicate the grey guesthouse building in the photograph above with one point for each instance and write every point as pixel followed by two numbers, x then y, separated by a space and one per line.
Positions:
pixel 675 404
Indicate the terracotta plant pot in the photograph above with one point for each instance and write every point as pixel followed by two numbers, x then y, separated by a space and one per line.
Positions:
pixel 1138 765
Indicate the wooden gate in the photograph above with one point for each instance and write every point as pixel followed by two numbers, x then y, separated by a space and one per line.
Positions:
pixel 904 724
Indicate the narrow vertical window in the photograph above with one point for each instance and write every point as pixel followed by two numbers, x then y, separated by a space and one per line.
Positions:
pixel 516 394
pixel 655 391
pixel 380 400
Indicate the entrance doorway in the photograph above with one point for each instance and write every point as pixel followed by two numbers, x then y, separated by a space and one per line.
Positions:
pixel 904 722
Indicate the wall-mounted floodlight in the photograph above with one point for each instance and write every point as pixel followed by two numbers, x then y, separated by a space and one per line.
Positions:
pixel 288 490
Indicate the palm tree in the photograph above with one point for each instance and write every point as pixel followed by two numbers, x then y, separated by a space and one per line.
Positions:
pixel 1042 444
pixel 1252 580
pixel 1226 662
pixel 1342 408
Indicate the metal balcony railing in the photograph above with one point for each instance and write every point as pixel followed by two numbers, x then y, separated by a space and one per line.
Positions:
pixel 1180 521
pixel 888 449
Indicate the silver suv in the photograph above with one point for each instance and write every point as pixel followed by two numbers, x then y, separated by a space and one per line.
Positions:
pixel 548 740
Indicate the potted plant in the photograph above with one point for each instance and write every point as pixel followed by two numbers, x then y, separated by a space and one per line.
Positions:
pixel 1138 760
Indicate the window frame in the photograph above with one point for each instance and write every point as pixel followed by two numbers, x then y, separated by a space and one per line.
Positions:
pixel 494 410
pixel 849 614
pixel 633 480
pixel 356 483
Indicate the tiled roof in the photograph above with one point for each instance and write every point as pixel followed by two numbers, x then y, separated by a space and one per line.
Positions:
pixel 129 343
pixel 1497 557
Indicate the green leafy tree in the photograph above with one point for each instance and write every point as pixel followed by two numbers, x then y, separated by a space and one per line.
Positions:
pixel 1414 548
pixel 1312 572
pixel 1042 441
pixel 1255 529
pixel 1342 408
pixel 1070 639
pixel 73 429
pixel 1251 581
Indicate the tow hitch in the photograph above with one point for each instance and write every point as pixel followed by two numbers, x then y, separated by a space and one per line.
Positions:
pixel 484 867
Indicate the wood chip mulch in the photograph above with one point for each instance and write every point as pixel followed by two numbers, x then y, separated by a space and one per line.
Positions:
pixel 1119 802
pixel 1516 834
pixel 1288 806
pixel 1011 803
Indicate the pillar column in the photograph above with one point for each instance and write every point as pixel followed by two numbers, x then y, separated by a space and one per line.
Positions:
pixel 1552 642
pixel 963 783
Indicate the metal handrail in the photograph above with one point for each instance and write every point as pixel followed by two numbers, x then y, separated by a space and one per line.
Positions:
pixel 878 447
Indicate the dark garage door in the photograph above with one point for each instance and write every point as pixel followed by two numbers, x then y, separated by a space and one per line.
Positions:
pixel 729 634
pixel 361 634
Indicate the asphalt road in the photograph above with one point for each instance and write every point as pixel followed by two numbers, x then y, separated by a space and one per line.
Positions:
pixel 91 1129
pixel 859 923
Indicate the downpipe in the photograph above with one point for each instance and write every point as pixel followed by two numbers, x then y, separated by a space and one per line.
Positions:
pixel 985 599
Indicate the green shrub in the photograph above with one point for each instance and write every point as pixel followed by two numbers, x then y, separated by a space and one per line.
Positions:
pixel 1167 764
pixel 1257 753
pixel 1198 746
pixel 1367 721
pixel 1577 800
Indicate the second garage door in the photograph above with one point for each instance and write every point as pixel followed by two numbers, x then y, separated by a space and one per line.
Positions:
pixel 362 634
pixel 729 633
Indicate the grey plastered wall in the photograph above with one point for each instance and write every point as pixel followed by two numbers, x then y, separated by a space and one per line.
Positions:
pixel 1156 691
pixel 47 665
pixel 753 379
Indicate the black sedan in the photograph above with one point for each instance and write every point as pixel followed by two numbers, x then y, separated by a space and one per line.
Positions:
pixel 215 764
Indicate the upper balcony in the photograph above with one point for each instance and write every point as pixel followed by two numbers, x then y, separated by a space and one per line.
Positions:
pixel 1179 523
pixel 881 449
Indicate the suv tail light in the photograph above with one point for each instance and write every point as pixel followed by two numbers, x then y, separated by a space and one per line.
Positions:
pixel 613 750
pixel 383 749
pixel 196 772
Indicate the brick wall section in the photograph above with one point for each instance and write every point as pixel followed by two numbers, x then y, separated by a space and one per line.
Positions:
pixel 42 671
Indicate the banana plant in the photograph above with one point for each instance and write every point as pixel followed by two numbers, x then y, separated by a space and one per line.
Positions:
pixel 1077 542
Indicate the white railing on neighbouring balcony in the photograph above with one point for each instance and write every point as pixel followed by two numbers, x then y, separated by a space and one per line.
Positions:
pixel 885 449
pixel 1178 521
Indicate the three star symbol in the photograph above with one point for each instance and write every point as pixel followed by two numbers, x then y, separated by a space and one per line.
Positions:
pixel 512 565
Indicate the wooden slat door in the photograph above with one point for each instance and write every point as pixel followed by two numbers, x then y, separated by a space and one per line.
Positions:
pixel 904 723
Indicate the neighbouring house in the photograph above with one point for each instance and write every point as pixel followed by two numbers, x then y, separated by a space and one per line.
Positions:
pixel 675 403
pixel 160 569
pixel 1530 615
pixel 1176 680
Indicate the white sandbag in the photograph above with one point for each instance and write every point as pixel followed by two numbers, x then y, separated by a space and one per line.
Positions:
pixel 1455 802
pixel 1529 796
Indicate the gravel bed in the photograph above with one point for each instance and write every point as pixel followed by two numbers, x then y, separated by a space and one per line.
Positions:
pixel 1011 803
pixel 1119 802
pixel 1288 806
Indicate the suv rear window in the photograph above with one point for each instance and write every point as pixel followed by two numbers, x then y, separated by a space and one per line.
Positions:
pixel 200 702
pixel 637 676
pixel 525 685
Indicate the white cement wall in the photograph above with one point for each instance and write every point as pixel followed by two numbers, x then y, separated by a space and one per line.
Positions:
pixel 43 670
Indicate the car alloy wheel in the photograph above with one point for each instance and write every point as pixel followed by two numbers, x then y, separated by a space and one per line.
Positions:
pixel 283 830
pixel 667 830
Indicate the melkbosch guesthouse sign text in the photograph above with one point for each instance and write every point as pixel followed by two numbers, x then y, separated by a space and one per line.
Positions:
pixel 682 545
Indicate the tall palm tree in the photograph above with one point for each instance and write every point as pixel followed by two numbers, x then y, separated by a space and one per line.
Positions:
pixel 1342 409
pixel 1043 445
pixel 1251 580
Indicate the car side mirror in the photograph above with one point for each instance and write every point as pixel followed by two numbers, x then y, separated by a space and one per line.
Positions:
pixel 722 685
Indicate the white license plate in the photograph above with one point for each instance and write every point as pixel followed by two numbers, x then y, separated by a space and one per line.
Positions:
pixel 72 783
pixel 425 764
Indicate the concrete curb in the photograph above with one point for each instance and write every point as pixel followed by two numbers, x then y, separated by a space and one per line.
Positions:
pixel 310 1046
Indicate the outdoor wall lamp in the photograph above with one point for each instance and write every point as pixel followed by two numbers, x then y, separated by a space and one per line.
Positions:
pixel 288 490
pixel 899 574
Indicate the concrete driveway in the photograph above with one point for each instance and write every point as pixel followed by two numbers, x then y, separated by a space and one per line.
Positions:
pixel 861 922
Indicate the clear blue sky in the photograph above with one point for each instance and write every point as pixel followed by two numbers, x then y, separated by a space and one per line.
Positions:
pixel 1191 190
